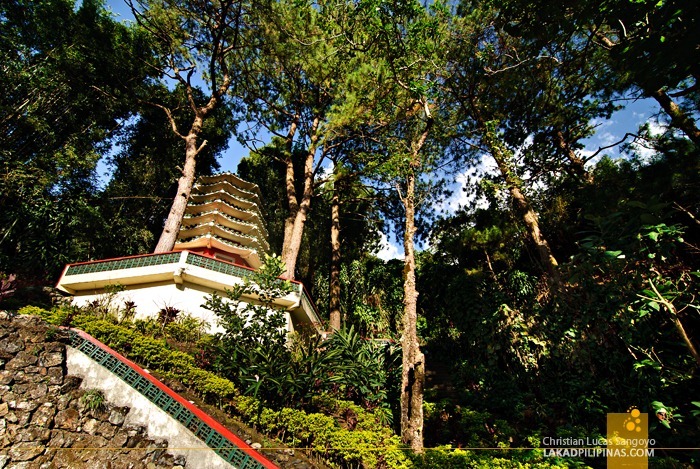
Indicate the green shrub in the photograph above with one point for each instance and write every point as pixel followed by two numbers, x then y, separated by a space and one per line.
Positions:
pixel 48 316
pixel 93 400
pixel 446 457
pixel 148 351
pixel 186 328
pixel 256 355
pixel 368 448
pixel 252 348
pixel 149 326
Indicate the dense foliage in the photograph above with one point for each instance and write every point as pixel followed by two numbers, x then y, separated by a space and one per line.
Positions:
pixel 255 352
pixel 340 431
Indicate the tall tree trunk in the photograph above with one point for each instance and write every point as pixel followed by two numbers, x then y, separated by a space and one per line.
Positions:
pixel 577 164
pixel 334 289
pixel 413 369
pixel 293 243
pixel 529 217
pixel 292 202
pixel 167 239
pixel 224 17
pixel 670 307
pixel 679 119
pixel 549 262
pixel 522 204
pixel 413 360
pixel 294 225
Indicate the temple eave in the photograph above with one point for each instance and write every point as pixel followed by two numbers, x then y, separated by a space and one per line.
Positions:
pixel 250 255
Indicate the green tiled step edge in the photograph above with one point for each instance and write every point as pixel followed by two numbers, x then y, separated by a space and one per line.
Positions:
pixel 213 439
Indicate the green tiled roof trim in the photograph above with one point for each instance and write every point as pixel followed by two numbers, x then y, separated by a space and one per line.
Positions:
pixel 172 258
pixel 119 264
pixel 217 265
pixel 212 438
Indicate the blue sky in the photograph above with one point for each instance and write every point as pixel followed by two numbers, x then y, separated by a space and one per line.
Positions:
pixel 230 158
pixel 608 131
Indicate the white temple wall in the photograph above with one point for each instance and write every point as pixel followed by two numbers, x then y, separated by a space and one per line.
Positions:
pixel 151 298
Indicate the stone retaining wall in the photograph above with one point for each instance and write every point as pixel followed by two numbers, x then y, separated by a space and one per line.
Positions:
pixel 45 420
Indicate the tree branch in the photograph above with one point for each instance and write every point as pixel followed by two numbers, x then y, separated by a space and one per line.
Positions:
pixel 628 134
pixel 676 320
pixel 170 117
pixel 492 72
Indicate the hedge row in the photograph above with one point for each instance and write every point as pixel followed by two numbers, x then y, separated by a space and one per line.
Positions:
pixel 147 351
pixel 369 444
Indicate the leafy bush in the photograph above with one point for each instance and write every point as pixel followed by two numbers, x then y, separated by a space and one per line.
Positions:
pixel 106 305
pixel 252 350
pixel 446 457
pixel 369 371
pixel 93 400
pixel 256 354
pixel 167 315
pixel 186 328
pixel 148 326
pixel 148 351
pixel 370 445
pixel 48 316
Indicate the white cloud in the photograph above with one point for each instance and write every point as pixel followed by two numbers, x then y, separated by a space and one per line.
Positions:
pixel 607 138
pixel 326 170
pixel 462 193
pixel 656 128
pixel 600 123
pixel 459 196
pixel 586 154
pixel 389 250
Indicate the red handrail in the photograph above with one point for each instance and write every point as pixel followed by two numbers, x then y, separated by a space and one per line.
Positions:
pixel 242 445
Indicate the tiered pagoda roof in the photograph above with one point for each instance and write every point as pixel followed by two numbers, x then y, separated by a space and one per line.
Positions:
pixel 224 217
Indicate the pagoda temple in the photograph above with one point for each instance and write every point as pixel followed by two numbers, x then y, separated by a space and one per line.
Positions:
pixel 223 220
pixel 221 242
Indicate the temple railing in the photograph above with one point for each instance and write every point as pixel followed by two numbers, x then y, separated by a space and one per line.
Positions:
pixel 190 258
pixel 214 435
pixel 131 262
pixel 217 265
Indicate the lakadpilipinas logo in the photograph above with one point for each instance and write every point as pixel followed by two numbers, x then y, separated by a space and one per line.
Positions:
pixel 628 440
